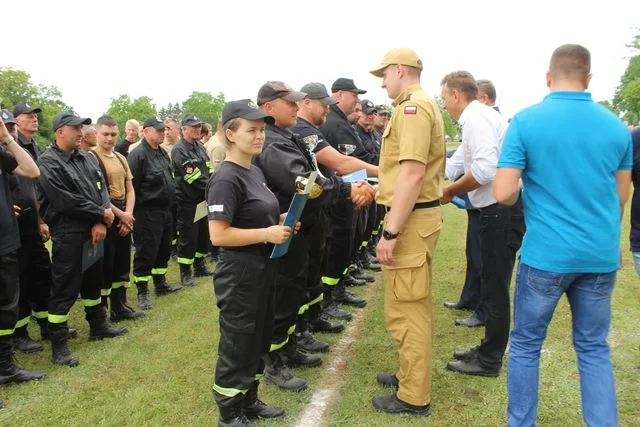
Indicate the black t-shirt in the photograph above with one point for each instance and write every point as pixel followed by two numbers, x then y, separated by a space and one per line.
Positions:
pixel 314 140
pixel 9 234
pixel 241 197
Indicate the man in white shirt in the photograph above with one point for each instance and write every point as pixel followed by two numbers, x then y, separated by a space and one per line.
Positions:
pixel 501 227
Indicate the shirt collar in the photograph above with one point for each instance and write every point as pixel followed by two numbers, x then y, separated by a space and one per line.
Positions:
pixel 409 90
pixel 470 107
pixel 65 155
pixel 284 132
pixel 569 94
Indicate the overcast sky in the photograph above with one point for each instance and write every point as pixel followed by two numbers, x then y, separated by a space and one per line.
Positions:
pixel 95 50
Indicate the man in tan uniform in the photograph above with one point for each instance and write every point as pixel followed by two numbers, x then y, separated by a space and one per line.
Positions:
pixel 215 147
pixel 412 153
pixel 171 136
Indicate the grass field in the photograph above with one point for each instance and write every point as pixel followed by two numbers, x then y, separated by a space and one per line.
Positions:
pixel 160 373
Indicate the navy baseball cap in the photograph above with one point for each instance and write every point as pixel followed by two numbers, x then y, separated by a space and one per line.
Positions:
pixel 23 108
pixel 7 117
pixel 153 122
pixel 368 107
pixel 245 109
pixel 191 120
pixel 69 118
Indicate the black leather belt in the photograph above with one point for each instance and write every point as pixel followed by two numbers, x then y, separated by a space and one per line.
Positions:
pixel 421 205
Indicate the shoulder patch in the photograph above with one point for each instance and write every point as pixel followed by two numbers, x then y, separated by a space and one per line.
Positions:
pixel 311 141
pixel 216 208
pixel 410 109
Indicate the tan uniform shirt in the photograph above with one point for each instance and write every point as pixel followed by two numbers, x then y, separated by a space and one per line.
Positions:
pixel 117 169
pixel 168 146
pixel 415 132
pixel 215 150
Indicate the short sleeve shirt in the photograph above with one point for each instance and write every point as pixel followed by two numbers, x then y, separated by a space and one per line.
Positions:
pixel 415 132
pixel 118 172
pixel 241 197
pixel 569 149
pixel 10 240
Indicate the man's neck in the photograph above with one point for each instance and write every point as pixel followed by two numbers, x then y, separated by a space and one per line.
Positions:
pixel 153 145
pixel 307 119
pixel 103 151
pixel 27 134
pixel 189 141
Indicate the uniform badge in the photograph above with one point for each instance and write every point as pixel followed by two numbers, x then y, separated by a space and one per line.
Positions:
pixel 311 141
pixel 410 109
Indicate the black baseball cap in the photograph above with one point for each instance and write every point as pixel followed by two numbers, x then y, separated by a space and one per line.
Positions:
pixel 276 89
pixel 381 109
pixel 69 118
pixel 318 91
pixel 346 84
pixel 245 109
pixel 191 120
pixel 368 107
pixel 23 108
pixel 7 117
pixel 153 122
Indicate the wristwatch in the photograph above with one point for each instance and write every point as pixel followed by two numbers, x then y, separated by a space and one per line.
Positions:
pixel 387 235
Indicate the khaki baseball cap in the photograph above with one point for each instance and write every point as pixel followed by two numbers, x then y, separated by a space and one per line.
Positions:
pixel 402 56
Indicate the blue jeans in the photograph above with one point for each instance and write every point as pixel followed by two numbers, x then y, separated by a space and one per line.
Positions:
pixel 536 296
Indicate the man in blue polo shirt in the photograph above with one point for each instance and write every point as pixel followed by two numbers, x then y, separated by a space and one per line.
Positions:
pixel 574 157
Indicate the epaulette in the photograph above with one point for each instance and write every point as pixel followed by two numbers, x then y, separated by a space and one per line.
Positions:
pixel 406 98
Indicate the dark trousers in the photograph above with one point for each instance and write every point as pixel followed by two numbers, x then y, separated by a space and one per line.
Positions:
pixel 117 260
pixel 152 234
pixel 68 279
pixel 35 278
pixel 501 232
pixel 243 284
pixel 193 238
pixel 314 292
pixel 470 296
pixel 339 241
pixel 9 293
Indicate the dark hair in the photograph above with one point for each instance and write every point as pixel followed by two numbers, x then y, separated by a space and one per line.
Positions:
pixel 487 87
pixel 106 121
pixel 232 125
pixel 570 60
pixel 463 82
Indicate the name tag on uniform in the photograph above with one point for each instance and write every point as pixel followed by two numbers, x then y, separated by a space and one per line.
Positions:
pixel 216 208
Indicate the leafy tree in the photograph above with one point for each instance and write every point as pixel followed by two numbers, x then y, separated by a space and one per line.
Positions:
pixel 171 111
pixel 204 105
pixel 124 108
pixel 16 87
pixel 451 128
pixel 626 99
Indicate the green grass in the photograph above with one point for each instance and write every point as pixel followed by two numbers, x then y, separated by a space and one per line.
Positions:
pixel 161 372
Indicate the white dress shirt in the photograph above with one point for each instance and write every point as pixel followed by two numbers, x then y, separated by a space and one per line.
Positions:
pixel 483 130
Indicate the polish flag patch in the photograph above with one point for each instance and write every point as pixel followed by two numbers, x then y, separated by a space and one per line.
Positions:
pixel 410 109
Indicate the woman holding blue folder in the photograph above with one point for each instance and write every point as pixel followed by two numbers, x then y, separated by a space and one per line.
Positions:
pixel 244 220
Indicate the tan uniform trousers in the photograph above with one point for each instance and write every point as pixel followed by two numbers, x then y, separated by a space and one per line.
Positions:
pixel 408 305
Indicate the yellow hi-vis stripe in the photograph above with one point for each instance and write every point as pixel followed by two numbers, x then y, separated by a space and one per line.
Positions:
pixel 229 392
pixel 91 302
pixel 330 281
pixel 40 314
pixel 191 178
pixel 161 270
pixel 117 285
pixel 346 270
pixel 6 332
pixel 278 346
pixel 365 244
pixel 187 261
pixel 316 300
pixel 58 318
pixel 303 308
pixel 291 329
pixel 137 279
pixel 22 322
pixel 200 255
pixel 105 292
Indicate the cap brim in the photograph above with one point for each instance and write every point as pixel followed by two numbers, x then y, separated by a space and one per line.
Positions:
pixel 370 111
pixel 79 121
pixel 294 96
pixel 258 115
pixel 198 123
pixel 329 100
pixel 379 72
pixel 9 122
pixel 31 110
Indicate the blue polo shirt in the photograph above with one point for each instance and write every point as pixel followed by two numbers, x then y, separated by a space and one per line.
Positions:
pixel 569 149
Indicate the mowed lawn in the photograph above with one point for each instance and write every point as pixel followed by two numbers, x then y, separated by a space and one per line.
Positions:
pixel 160 373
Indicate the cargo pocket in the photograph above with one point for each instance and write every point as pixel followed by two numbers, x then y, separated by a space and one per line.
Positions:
pixel 409 277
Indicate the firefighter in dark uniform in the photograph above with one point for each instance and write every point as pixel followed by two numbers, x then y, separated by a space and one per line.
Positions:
pixel 35 263
pixel 341 135
pixel 284 159
pixel 244 217
pixel 155 196
pixel 13 160
pixel 75 203
pixel 191 168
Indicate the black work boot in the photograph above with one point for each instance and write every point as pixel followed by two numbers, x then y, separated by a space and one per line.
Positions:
pixel 331 309
pixel 308 343
pixel 161 287
pixel 144 302
pixel 342 296
pixel 232 414
pixel 99 326
pixel 60 354
pixel 200 268
pixel 44 330
pixel 358 273
pixel 350 280
pixel 277 372
pixel 23 342
pixel 119 308
pixel 325 326
pixel 295 357
pixel 256 408
pixel 186 279
pixel 10 372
